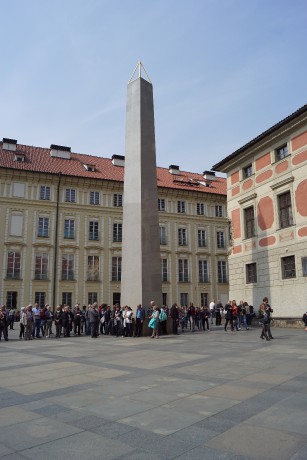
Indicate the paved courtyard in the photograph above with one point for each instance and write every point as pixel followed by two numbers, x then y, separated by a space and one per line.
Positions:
pixel 211 395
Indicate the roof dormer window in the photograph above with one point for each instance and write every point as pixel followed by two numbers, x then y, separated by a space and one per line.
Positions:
pixel 19 157
pixel 89 167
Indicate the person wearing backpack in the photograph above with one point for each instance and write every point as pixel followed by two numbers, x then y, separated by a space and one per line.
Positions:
pixel 163 321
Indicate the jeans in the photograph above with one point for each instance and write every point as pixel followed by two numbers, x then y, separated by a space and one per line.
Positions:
pixel 36 327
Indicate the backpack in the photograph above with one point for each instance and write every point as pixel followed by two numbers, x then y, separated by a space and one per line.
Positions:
pixel 162 316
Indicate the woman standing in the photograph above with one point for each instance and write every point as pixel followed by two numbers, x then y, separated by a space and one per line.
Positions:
pixel 154 322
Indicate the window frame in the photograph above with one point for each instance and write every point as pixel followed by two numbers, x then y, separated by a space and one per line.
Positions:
pixel 67 267
pixel 220 239
pixel 181 207
pixel 201 238
pixel 182 237
pixel 70 195
pixel 284 269
pixel 203 272
pixel 117 232
pixel 200 209
pixel 116 268
pixel 251 273
pixel 118 200
pixel 285 210
pixel 43 227
pixel 14 264
pixel 161 205
pixel 222 275
pixel 41 266
pixel 94 198
pixel 163 235
pixel 281 152
pixel 164 270
pixel 249 222
pixel 219 210
pixel 93 233
pixel 45 192
pixel 93 267
pixel 183 271
pixel 247 171
pixel 69 229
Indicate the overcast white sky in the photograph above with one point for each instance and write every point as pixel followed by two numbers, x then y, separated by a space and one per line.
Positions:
pixel 223 71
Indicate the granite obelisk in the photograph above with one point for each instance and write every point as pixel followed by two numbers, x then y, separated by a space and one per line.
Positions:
pixel 141 265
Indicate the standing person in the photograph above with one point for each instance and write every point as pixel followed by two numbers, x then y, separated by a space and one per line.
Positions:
pixel 267 310
pixel 218 313
pixel 22 322
pixel 192 315
pixel 66 321
pixel 58 321
pixel 117 320
pixel 11 318
pixel 29 321
pixel 228 315
pixel 37 321
pixel 77 319
pixel 128 321
pixel 43 321
pixel 247 313
pixel 3 323
pixel 139 320
pixel 163 320
pixel 235 313
pixel 154 320
pixel 182 318
pixel 205 319
pixel 94 321
pixel 174 314
pixel 48 320
pixel 212 310
pixel 83 319
pixel 305 320
pixel 245 309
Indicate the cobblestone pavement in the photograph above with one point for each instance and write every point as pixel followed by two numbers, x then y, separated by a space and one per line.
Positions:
pixel 207 395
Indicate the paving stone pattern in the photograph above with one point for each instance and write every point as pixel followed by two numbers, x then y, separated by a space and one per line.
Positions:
pixel 195 396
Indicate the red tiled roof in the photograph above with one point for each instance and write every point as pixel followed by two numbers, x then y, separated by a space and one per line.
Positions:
pixel 38 159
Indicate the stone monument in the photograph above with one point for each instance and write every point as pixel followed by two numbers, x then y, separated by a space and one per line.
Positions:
pixel 141 266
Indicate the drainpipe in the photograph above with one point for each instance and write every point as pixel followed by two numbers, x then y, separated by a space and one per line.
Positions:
pixel 56 242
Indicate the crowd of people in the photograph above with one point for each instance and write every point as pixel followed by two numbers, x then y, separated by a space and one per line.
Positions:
pixel 35 322
pixel 93 320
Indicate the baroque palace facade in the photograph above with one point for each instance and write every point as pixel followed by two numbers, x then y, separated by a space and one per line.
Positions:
pixel 267 204
pixel 61 229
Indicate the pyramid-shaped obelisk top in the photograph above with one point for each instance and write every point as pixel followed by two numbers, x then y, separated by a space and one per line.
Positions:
pixel 137 73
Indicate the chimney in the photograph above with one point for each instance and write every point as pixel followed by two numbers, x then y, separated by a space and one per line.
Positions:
pixel 59 151
pixel 174 169
pixel 118 160
pixel 209 175
pixel 9 144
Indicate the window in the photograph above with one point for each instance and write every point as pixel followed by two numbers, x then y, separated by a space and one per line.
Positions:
pixel 117 200
pixel 200 209
pixel 11 299
pixel 285 210
pixel 164 298
pixel 182 236
pixel 69 229
pixel 288 267
pixel 249 222
pixel 203 271
pixel 218 211
pixel 94 197
pixel 92 298
pixel 222 271
pixel 68 267
pixel 204 299
pixel 13 265
pixel 44 193
pixel 304 266
pixel 40 299
pixel 281 152
pixel 67 298
pixel 183 270
pixel 181 206
pixel 70 195
pixel 116 268
pixel 41 267
pixel 247 171
pixel 164 270
pixel 251 273
pixel 117 233
pixel 201 238
pixel 93 232
pixel 184 299
pixel 16 224
pixel 93 268
pixel 43 227
pixel 163 239
pixel 161 204
pixel 220 240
